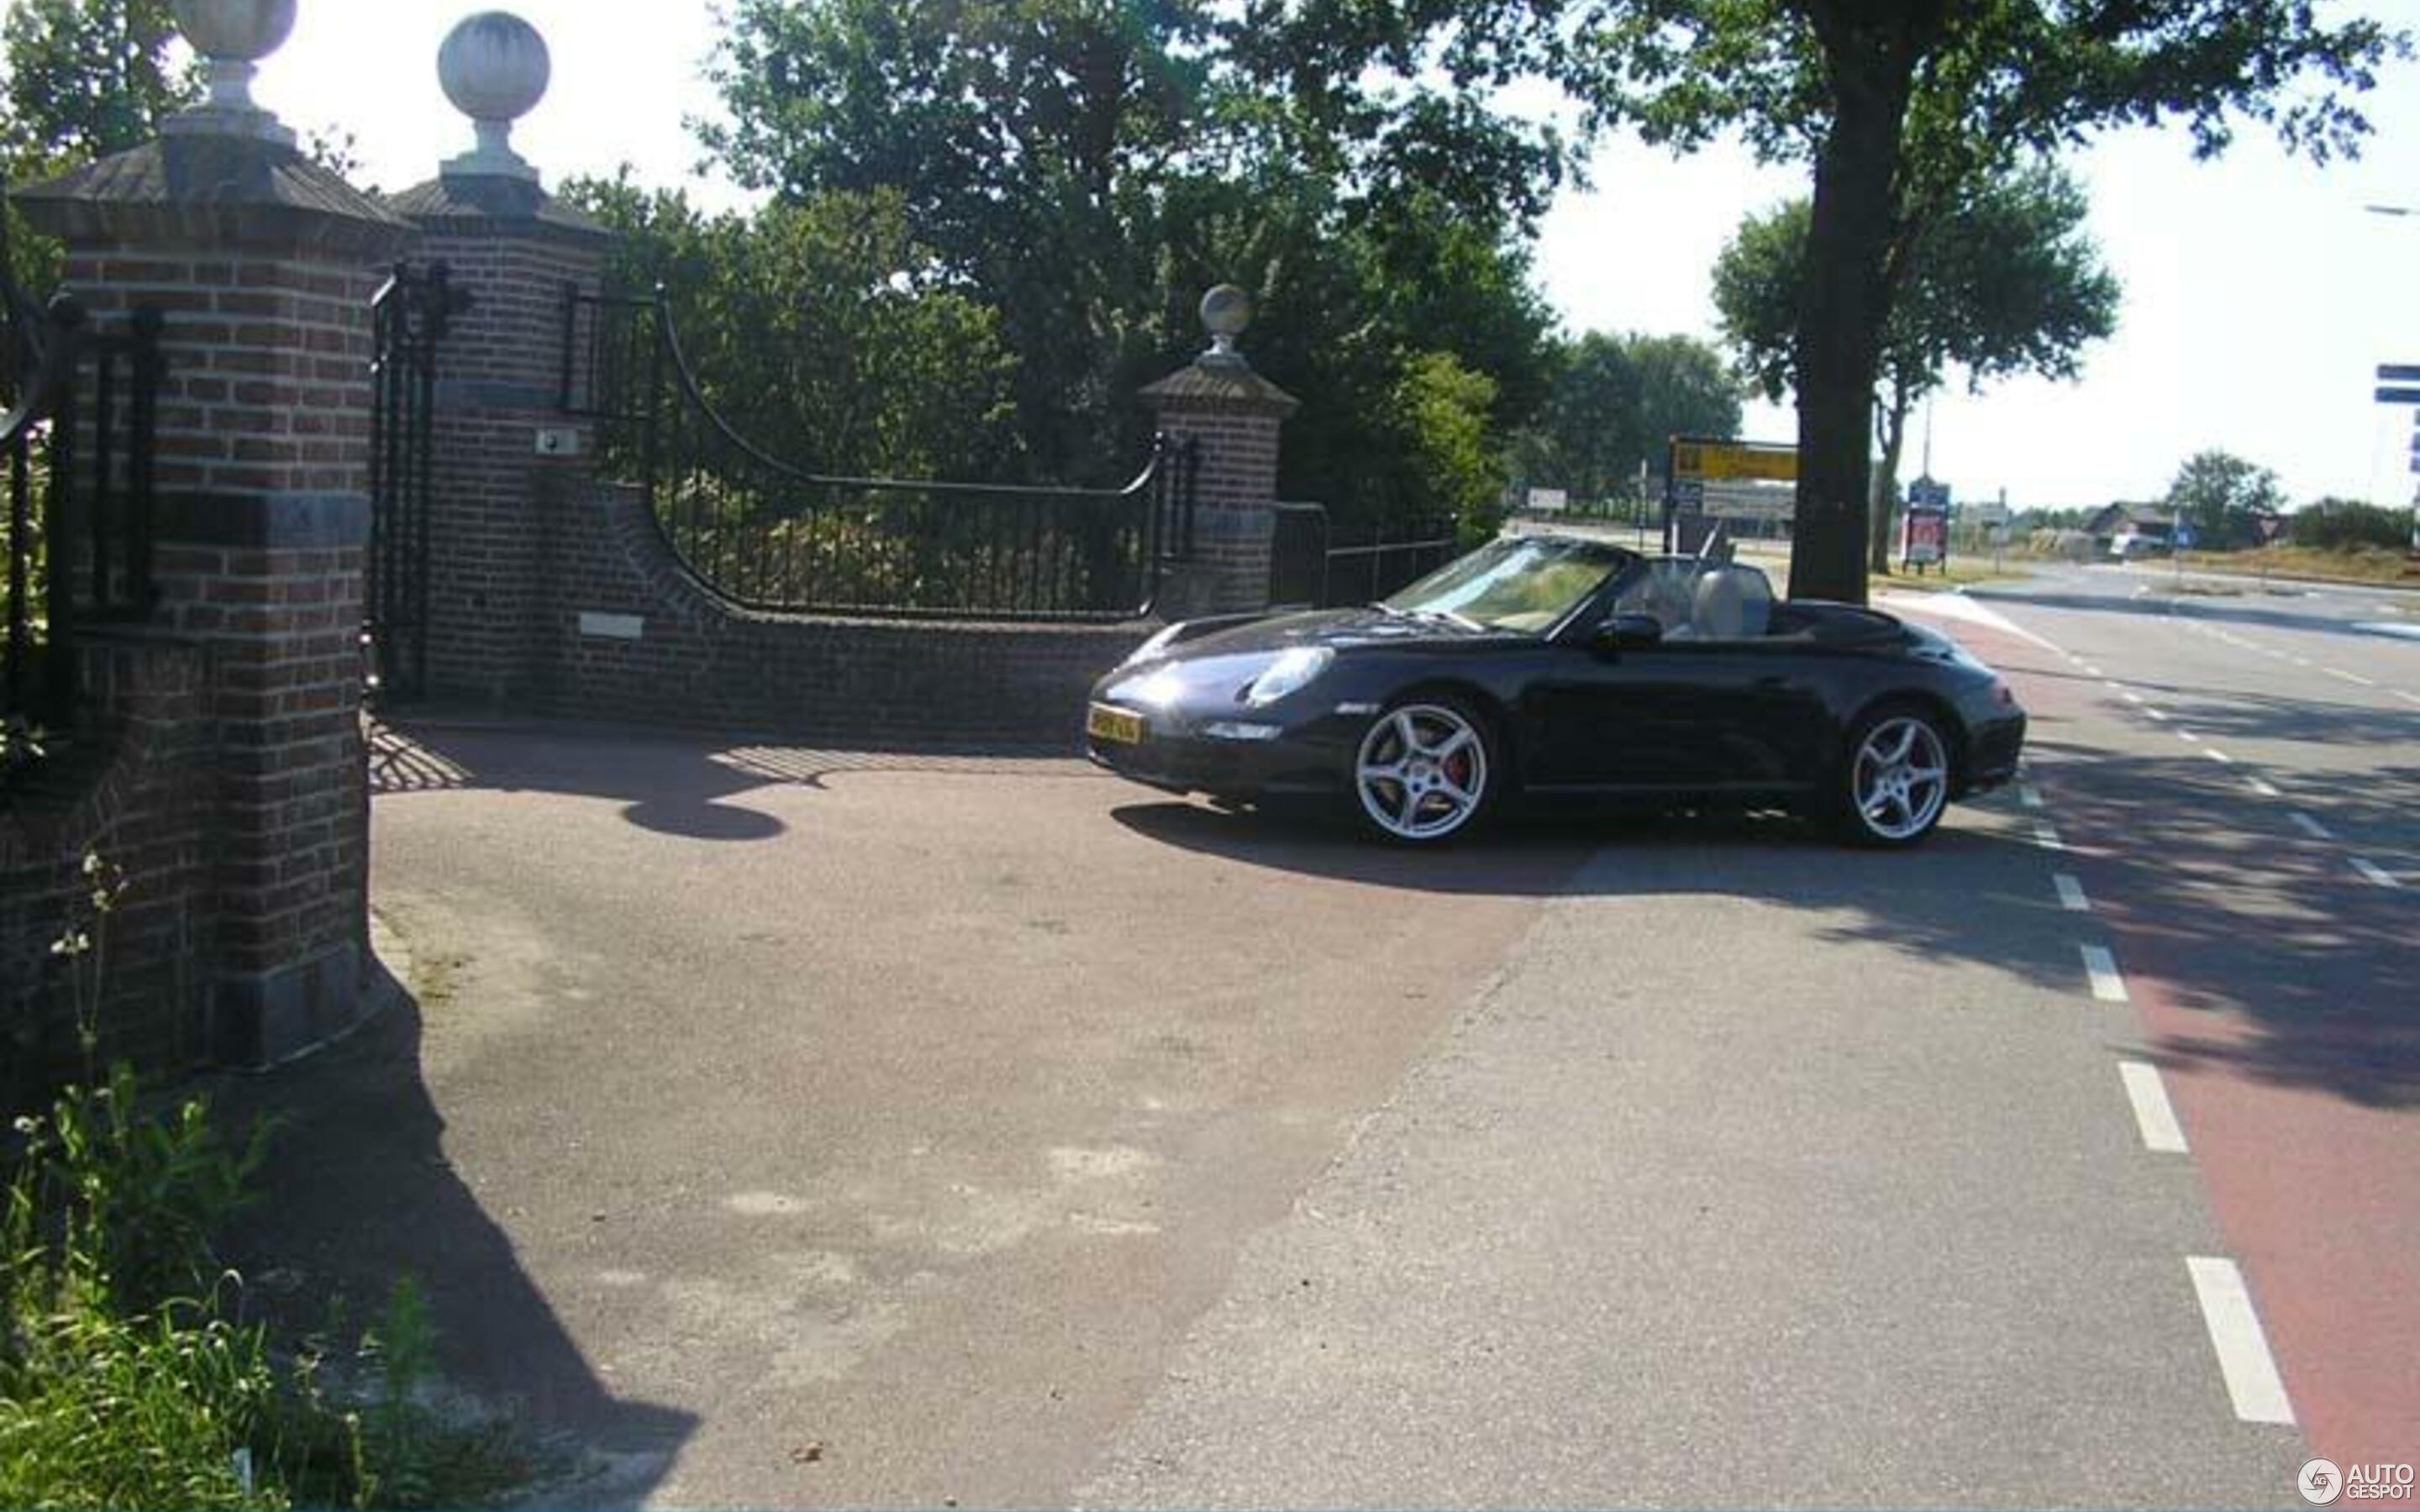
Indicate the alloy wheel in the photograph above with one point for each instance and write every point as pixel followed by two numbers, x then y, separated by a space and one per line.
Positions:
pixel 1422 772
pixel 1900 780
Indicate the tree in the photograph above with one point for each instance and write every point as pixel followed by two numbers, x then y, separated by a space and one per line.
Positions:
pixel 2223 499
pixel 820 328
pixel 1616 401
pixel 1905 108
pixel 2008 282
pixel 1088 167
pixel 87 78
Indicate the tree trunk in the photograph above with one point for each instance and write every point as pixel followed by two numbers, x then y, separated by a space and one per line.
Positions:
pixel 1844 306
pixel 1885 491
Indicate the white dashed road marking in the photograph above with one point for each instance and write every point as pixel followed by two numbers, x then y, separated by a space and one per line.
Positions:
pixel 2156 715
pixel 2153 1114
pixel 2252 1381
pixel 2071 894
pixel 2108 985
pixel 2350 677
pixel 2264 788
pixel 2130 695
pixel 2187 734
pixel 2029 796
pixel 2312 828
pixel 2047 837
pixel 2216 754
pixel 2376 873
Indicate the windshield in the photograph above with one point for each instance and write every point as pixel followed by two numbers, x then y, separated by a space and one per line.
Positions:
pixel 1523 584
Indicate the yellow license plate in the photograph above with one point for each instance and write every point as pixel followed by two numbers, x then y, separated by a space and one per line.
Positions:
pixel 1103 722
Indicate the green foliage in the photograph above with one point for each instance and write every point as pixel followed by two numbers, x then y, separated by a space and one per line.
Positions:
pixel 86 78
pixel 2348 525
pixel 1087 169
pixel 1907 109
pixel 1615 405
pixel 1444 406
pixel 2222 497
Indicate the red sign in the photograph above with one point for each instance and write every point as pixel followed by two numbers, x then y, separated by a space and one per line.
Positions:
pixel 1924 539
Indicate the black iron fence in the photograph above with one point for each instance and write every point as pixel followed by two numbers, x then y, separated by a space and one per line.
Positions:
pixel 767 535
pixel 1315 564
pixel 409 316
pixel 76 451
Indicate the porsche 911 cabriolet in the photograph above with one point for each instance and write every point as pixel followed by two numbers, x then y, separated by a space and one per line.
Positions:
pixel 1557 669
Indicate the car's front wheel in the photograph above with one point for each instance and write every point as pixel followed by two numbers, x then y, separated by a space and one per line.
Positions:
pixel 1426 771
pixel 1894 782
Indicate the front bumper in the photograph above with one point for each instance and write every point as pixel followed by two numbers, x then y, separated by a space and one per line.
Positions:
pixel 1309 755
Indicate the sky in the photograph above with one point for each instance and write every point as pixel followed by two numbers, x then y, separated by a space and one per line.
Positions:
pixel 2260 295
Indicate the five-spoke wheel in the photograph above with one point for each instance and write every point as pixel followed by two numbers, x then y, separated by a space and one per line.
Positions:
pixel 1897 777
pixel 1424 771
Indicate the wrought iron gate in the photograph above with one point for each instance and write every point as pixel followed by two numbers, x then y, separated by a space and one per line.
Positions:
pixel 410 316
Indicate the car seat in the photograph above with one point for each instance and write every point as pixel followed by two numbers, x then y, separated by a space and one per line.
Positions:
pixel 1730 605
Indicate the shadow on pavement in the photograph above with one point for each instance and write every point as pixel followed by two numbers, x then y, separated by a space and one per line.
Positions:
pixel 2310 973
pixel 358 1195
pixel 670 784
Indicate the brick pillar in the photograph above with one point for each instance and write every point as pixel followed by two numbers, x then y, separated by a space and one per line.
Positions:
pixel 1232 416
pixel 499 379
pixel 262 264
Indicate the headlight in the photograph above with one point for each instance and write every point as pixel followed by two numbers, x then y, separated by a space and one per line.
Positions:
pixel 1290 673
pixel 1154 646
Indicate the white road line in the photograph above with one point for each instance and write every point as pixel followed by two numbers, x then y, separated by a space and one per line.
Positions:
pixel 2029 796
pixel 2153 1112
pixel 2375 872
pixel 2187 734
pixel 2047 837
pixel 2071 893
pixel 2108 985
pixel 2113 684
pixel 2350 677
pixel 2264 788
pixel 2130 695
pixel 2312 827
pixel 2408 698
pixel 2156 715
pixel 2090 671
pixel 2217 755
pixel 2252 1381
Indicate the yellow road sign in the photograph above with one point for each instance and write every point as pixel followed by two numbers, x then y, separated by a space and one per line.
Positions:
pixel 1734 461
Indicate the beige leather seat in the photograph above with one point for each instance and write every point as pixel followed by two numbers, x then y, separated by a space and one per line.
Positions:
pixel 1730 605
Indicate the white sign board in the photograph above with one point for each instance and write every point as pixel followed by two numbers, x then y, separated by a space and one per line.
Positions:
pixel 1750 500
pixel 1550 500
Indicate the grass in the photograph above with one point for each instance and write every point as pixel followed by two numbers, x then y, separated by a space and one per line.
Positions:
pixel 2360 564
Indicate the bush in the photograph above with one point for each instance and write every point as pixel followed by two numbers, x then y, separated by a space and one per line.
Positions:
pixel 2344 524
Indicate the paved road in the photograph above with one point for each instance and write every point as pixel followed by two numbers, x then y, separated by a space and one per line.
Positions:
pixel 804 1129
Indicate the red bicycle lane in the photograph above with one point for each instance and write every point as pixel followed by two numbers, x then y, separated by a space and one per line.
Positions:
pixel 2280 997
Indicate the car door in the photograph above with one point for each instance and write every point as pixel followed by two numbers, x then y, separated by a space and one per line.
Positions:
pixel 1638 718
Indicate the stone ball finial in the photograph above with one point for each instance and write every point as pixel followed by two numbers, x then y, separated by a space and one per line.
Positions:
pixel 493 66
pixel 232 37
pixel 1226 311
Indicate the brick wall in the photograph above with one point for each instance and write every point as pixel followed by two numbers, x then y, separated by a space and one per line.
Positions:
pixel 498 381
pixel 631 634
pixel 136 791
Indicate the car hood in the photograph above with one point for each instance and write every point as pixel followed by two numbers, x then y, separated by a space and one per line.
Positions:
pixel 1339 630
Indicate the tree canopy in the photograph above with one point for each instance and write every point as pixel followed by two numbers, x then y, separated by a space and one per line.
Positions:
pixel 1615 403
pixel 86 78
pixel 1086 168
pixel 2223 498
pixel 1905 108
pixel 2007 282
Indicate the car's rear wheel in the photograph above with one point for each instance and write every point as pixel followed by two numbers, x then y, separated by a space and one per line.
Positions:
pixel 1426 772
pixel 1895 781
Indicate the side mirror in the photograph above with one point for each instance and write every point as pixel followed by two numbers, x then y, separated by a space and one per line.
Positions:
pixel 1623 631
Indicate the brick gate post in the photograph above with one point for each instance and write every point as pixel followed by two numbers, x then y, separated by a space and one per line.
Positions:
pixel 501 434
pixel 1232 416
pixel 263 264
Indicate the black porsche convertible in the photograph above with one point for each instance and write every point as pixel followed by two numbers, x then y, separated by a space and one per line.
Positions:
pixel 1546 669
